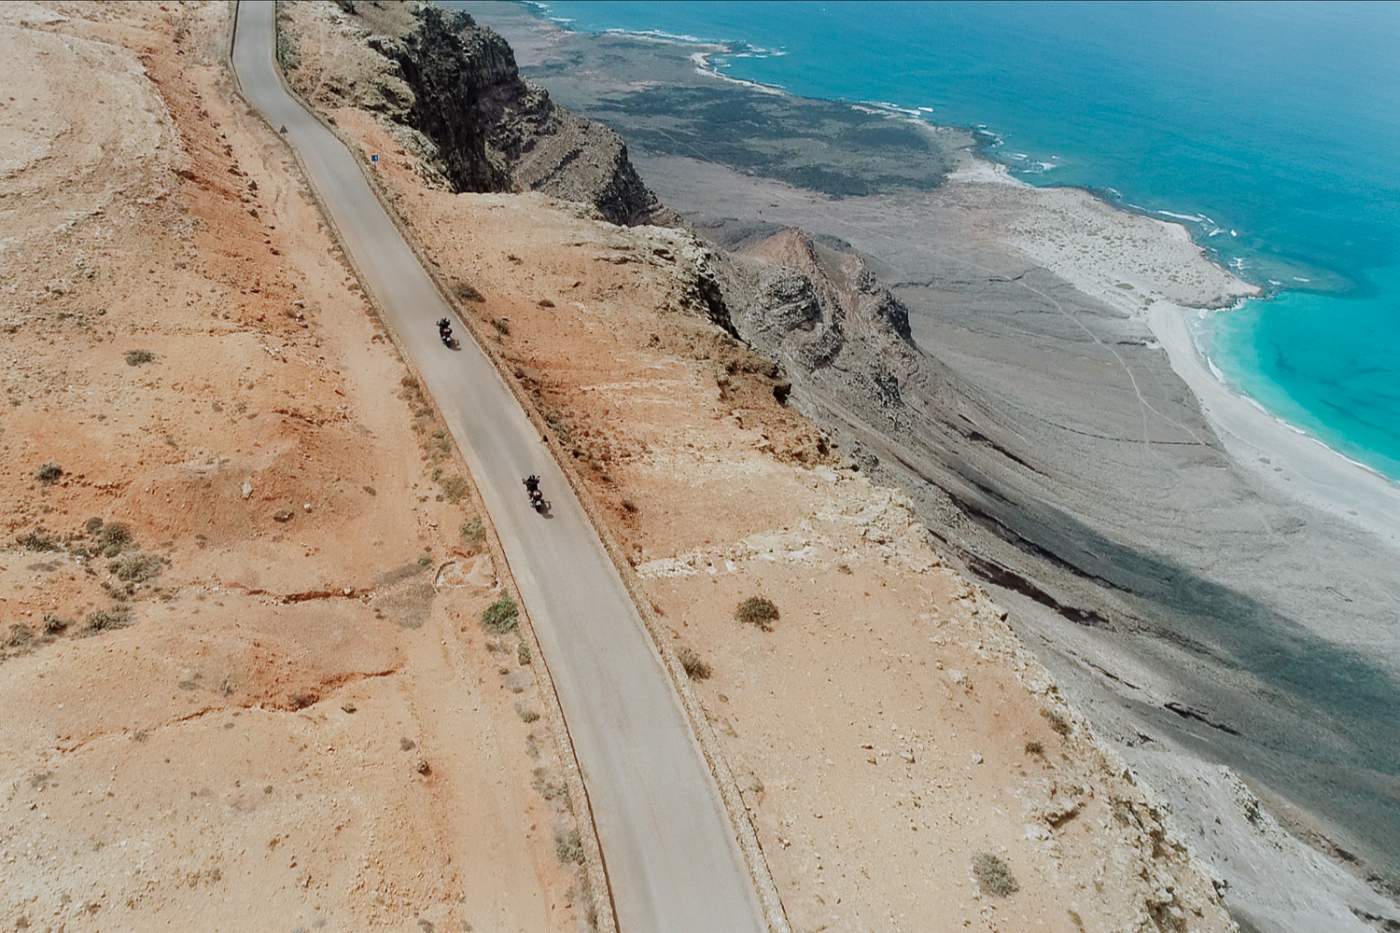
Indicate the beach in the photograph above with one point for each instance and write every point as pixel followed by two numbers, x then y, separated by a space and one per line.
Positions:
pixel 1282 455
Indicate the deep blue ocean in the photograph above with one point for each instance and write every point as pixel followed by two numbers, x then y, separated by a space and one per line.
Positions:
pixel 1273 131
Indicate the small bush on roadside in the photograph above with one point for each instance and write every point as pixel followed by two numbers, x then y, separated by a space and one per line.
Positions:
pixel 139 357
pixel 502 326
pixel 474 531
pixel 502 616
pixel 19 636
pixel 759 611
pixel 528 715
pixel 993 875
pixel 55 625
pixel 1033 747
pixel 522 653
pixel 1058 720
pixel 695 668
pixel 49 473
pixel 568 847
pixel 468 292
pixel 454 487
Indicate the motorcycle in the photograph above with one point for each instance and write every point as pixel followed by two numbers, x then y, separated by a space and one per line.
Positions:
pixel 537 500
pixel 445 332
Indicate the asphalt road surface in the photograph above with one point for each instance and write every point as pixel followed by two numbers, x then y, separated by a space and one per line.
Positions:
pixel 671 856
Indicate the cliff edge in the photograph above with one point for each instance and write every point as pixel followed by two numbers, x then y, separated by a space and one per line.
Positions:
pixel 453 88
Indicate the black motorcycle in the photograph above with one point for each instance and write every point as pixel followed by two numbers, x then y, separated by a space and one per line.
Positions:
pixel 445 332
pixel 537 500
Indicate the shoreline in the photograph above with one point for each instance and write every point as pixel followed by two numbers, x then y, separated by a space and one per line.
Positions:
pixel 1290 459
pixel 1272 438
pixel 1286 457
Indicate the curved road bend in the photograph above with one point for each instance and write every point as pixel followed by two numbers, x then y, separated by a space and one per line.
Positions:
pixel 672 859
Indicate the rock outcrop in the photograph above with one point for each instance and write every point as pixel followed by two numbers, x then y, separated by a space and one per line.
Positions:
pixel 493 131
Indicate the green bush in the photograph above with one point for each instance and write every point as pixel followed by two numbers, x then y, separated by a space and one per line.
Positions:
pixel 502 616
pixel 139 357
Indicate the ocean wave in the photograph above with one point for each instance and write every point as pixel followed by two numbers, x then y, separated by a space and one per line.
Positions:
pixel 888 107
pixel 1189 218
pixel 703 66
pixel 679 38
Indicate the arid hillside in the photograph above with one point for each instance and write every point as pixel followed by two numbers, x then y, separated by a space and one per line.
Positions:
pixel 245 678
pixel 905 764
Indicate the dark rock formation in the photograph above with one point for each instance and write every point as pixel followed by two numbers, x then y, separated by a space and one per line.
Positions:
pixel 493 131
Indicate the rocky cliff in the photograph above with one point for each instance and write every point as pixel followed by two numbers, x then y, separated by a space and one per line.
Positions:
pixel 455 85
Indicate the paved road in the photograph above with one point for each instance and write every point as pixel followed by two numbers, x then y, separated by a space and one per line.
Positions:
pixel 671 857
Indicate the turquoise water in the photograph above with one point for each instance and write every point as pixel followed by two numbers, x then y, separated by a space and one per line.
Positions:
pixel 1274 128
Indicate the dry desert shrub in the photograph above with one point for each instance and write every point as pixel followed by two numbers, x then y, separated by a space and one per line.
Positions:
pixel 454 487
pixel 136 567
pixel 993 875
pixel 104 620
pixel 474 532
pixel 568 847
pixel 757 611
pixel 1058 720
pixel 467 292
pixel 695 668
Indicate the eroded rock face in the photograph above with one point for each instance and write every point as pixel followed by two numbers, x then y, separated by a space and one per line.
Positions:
pixel 494 131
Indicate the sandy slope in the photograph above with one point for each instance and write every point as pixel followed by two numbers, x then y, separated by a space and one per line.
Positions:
pixel 274 708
